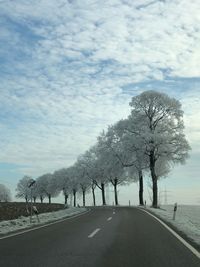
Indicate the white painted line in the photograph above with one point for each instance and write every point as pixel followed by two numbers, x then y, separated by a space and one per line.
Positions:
pixel 183 241
pixel 46 225
pixel 94 233
pixel 110 218
pixel 113 212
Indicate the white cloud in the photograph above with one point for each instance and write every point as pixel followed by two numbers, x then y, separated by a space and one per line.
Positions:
pixel 114 30
pixel 78 55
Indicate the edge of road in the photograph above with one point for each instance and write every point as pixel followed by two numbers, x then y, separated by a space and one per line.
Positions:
pixel 43 225
pixel 182 237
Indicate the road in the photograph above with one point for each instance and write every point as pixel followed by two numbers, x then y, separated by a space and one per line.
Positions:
pixel 104 237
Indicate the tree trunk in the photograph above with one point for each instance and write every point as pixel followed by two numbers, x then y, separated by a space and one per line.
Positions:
pixel 41 199
pixel 26 199
pixel 83 191
pixel 34 199
pixel 141 201
pixel 103 194
pixel 93 194
pixel 49 196
pixel 155 193
pixel 115 190
pixel 154 180
pixel 66 198
pixel 74 194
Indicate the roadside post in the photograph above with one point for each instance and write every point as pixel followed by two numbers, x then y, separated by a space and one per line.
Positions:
pixel 129 203
pixel 31 183
pixel 175 209
pixel 35 210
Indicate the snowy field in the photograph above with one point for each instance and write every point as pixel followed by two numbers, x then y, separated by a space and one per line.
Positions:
pixel 187 219
pixel 7 227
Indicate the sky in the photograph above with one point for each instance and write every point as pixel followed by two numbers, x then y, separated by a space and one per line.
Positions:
pixel 68 69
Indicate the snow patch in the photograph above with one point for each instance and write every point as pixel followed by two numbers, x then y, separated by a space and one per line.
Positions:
pixel 187 219
pixel 7 227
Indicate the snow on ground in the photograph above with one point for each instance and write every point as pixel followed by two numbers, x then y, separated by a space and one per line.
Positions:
pixel 7 227
pixel 187 219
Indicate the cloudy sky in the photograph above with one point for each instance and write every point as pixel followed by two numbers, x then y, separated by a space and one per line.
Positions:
pixel 70 68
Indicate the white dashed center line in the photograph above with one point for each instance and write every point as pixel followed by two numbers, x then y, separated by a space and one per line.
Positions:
pixel 113 212
pixel 94 233
pixel 110 218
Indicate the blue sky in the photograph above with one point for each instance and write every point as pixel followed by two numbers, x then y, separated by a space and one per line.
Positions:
pixel 70 68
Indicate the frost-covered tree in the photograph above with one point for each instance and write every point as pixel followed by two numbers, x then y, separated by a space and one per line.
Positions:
pixel 23 190
pixel 40 190
pixel 63 182
pixel 112 165
pixel 47 185
pixel 5 194
pixel 73 182
pixel 129 150
pixel 85 161
pixel 83 179
pixel 157 121
pixel 96 169
pixel 136 172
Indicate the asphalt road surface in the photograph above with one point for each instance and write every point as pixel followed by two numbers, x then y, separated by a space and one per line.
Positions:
pixel 104 237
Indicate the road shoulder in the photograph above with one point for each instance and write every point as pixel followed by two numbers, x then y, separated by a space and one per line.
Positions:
pixel 183 235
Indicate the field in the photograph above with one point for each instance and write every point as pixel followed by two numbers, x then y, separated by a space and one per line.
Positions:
pixel 14 210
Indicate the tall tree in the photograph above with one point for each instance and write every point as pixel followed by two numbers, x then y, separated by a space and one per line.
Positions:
pixel 157 120
pixel 129 150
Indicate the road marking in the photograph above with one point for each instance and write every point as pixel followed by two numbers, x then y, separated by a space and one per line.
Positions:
pixel 46 225
pixel 94 233
pixel 113 212
pixel 110 218
pixel 183 241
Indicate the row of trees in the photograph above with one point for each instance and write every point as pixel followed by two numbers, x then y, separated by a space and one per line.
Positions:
pixel 148 142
